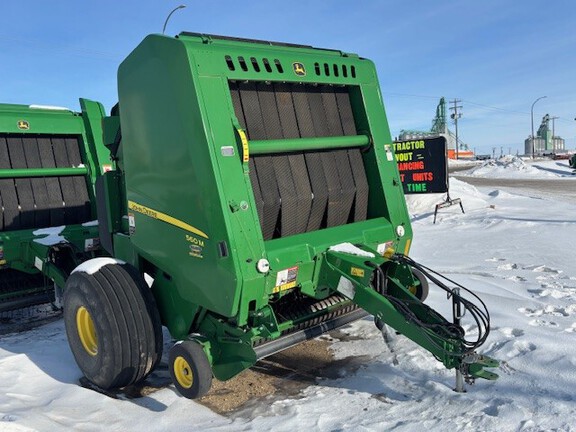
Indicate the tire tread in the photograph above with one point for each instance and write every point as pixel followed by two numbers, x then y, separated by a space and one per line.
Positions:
pixel 127 323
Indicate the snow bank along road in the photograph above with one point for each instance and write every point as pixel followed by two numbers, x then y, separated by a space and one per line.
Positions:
pixel 560 183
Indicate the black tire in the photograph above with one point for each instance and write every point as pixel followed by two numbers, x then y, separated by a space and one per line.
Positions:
pixel 190 369
pixel 113 325
pixel 422 289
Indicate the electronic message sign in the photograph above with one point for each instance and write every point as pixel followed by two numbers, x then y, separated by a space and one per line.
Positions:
pixel 422 165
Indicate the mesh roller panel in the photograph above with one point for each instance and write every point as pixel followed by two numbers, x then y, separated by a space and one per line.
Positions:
pixel 335 205
pixel 341 160
pixel 253 114
pixel 235 94
pixel 314 167
pixel 40 202
pixel 360 209
pixel 23 185
pixel 39 189
pixel 81 200
pixel 305 191
pixel 55 199
pixel 10 211
pixel 301 210
pixel 67 184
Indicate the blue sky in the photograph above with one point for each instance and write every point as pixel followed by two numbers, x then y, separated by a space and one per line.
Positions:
pixel 496 56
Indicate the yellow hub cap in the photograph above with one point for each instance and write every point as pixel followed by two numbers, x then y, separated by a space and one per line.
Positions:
pixel 183 372
pixel 86 331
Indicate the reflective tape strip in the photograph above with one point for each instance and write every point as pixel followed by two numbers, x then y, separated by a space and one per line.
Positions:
pixel 245 148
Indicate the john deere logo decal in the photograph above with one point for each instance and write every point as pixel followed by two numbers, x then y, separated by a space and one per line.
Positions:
pixel 23 124
pixel 298 68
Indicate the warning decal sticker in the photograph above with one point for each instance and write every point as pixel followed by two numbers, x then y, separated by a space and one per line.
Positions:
pixel 286 279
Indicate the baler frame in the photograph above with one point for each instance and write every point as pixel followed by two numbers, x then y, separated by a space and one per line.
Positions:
pixel 242 262
pixel 254 185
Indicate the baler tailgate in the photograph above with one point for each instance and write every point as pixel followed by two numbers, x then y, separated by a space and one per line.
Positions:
pixel 309 190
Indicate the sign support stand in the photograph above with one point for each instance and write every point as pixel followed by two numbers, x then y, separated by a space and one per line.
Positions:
pixel 448 202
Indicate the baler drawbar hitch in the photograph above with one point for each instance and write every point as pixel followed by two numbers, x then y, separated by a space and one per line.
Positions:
pixel 393 291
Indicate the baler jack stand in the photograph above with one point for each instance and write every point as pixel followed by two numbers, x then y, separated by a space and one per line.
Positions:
pixel 384 288
pixel 456 312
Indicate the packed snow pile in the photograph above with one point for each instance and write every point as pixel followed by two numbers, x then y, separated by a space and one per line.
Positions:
pixel 423 204
pixel 507 167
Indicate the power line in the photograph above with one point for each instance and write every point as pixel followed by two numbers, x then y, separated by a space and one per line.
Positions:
pixel 465 100
pixel 494 108
pixel 488 107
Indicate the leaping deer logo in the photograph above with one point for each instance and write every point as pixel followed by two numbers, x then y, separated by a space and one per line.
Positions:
pixel 298 69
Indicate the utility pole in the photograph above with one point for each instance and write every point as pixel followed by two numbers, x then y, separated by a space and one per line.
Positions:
pixel 455 116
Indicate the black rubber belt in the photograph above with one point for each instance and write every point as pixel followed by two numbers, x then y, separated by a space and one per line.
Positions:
pixel 348 188
pixel 302 188
pixel 10 212
pixel 235 94
pixel 1 210
pixel 82 200
pixel 270 194
pixel 307 191
pixel 281 164
pixel 289 200
pixel 354 155
pixel 263 164
pixel 67 184
pixel 39 202
pixel 237 103
pixel 314 167
pixel 361 182
pixel 321 129
pixel 55 199
pixel 39 189
pixel 23 185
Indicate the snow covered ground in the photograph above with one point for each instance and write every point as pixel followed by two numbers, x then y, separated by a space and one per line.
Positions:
pixel 515 251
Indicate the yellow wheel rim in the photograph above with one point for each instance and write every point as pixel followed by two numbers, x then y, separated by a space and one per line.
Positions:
pixel 86 331
pixel 183 372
